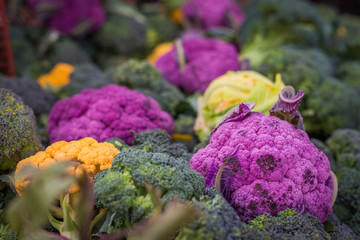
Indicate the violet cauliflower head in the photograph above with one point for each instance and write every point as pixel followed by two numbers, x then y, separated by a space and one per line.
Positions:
pixel 213 13
pixel 271 166
pixel 194 62
pixel 104 113
pixel 76 17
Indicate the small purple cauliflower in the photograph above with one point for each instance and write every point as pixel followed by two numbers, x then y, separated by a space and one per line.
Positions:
pixel 76 17
pixel 213 13
pixel 269 164
pixel 193 63
pixel 111 111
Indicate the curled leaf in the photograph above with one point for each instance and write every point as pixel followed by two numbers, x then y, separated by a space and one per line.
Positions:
pixel 335 187
pixel 286 106
pixel 237 114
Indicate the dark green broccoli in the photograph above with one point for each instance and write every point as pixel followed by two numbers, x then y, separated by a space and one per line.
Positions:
pixel 289 224
pixel 17 130
pixel 131 170
pixel 331 106
pixel 68 51
pixel 347 204
pixel 142 76
pixel 118 143
pixel 124 31
pixel 217 221
pixel 6 233
pixel 349 72
pixel 160 29
pixel 159 141
pixel 325 149
pixel 338 230
pixel 30 91
pixel 345 41
pixel 345 144
pixel 303 68
pixel 84 76
pixel 184 131
pixel 299 20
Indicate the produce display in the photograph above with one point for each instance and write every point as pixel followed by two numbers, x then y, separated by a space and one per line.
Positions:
pixel 180 120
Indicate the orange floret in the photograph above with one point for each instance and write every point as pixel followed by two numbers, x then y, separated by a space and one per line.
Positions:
pixel 58 77
pixel 86 153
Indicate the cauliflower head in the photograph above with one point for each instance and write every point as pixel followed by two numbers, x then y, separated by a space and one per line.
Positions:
pixel 86 153
pixel 111 111
pixel 213 13
pixel 273 166
pixel 194 62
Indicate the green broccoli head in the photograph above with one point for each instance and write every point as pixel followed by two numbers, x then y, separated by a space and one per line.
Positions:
pixel 171 175
pixel 345 143
pixel 17 130
pixel 6 233
pixel 289 224
pixel 217 221
pixel 347 204
pixel 338 230
pixel 300 23
pixel 142 76
pixel 161 29
pixel 159 141
pixel 331 106
pixel 349 72
pixel 117 192
pixel 346 38
pixel 84 76
pixel 124 31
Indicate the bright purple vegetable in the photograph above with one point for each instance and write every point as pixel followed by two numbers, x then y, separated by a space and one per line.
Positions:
pixel 274 166
pixel 111 111
pixel 194 62
pixel 213 13
pixel 70 16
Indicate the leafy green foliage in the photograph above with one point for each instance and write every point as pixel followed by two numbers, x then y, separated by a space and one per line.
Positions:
pixel 142 76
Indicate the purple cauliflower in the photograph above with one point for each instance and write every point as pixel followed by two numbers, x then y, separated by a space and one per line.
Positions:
pixel 193 63
pixel 77 17
pixel 111 111
pixel 270 166
pixel 213 13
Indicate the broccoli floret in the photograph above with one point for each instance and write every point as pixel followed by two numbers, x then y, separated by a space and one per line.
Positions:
pixel 345 143
pixel 17 130
pixel 349 72
pixel 30 91
pixel 346 40
pixel 299 20
pixel 348 200
pixel 184 131
pixel 289 224
pixel 159 141
pixel 161 29
pixel 338 230
pixel 217 220
pixel 6 233
pixel 124 31
pixel 142 76
pixel 331 106
pixel 131 170
pixel 325 149
pixel 85 76
pixel 118 143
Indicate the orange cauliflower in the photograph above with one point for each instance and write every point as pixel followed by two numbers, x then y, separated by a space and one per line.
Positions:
pixel 58 77
pixel 86 153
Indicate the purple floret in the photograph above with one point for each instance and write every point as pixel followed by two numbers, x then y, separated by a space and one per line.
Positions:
pixel 111 111
pixel 276 167
pixel 205 60
pixel 213 13
pixel 70 16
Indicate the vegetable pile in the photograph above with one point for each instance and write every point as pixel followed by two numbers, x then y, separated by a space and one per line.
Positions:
pixel 180 119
